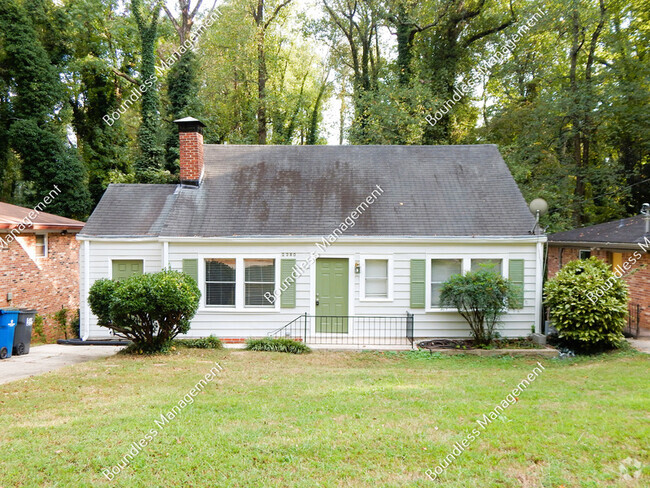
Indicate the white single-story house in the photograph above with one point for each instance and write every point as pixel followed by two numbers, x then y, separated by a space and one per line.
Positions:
pixel 345 242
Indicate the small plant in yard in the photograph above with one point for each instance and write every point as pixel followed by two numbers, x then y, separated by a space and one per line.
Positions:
pixel 210 342
pixel 75 325
pixel 149 309
pixel 585 324
pixel 277 345
pixel 38 327
pixel 61 319
pixel 480 297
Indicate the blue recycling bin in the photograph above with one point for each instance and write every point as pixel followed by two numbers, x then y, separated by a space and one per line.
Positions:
pixel 8 320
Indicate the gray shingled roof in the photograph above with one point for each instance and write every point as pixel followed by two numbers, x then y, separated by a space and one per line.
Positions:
pixel 309 190
pixel 130 210
pixel 628 231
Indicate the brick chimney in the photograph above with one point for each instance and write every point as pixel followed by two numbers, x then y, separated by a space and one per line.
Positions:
pixel 190 133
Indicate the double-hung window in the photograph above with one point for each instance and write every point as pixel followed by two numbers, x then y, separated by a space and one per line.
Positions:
pixel 376 279
pixel 220 282
pixel 441 271
pixel 240 282
pixel 260 279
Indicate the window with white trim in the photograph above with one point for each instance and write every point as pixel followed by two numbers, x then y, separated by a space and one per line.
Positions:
pixel 441 271
pixel 495 265
pixel 376 279
pixel 259 279
pixel 41 245
pixel 220 282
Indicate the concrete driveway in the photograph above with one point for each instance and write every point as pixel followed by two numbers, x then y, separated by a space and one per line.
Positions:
pixel 640 344
pixel 49 357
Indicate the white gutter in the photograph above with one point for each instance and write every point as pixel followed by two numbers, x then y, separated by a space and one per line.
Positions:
pixel 86 290
pixel 311 239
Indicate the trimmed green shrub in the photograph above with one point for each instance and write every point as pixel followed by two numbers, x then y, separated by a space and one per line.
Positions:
pixel 149 309
pixel 480 297
pixel 210 342
pixel 277 345
pixel 588 305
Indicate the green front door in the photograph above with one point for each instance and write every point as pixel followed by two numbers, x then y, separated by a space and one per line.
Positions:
pixel 123 268
pixel 332 295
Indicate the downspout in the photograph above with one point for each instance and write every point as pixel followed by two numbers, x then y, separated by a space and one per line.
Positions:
pixel 86 290
pixel 539 280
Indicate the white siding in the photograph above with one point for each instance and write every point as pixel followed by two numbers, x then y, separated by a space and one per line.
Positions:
pixel 101 255
pixel 241 324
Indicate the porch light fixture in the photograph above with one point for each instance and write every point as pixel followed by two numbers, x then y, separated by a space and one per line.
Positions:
pixel 357 268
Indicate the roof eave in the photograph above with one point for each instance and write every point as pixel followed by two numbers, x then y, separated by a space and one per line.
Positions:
pixel 68 227
pixel 595 244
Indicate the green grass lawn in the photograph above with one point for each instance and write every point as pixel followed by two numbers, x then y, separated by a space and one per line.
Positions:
pixel 328 419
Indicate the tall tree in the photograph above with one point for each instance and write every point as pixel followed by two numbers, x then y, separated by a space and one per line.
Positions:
pixel 149 163
pixel 358 23
pixel 262 23
pixel 182 80
pixel 94 91
pixel 34 133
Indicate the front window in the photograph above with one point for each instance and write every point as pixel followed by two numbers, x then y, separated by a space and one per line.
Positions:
pixel 260 279
pixel 376 285
pixel 41 245
pixel 584 254
pixel 494 265
pixel 220 280
pixel 441 271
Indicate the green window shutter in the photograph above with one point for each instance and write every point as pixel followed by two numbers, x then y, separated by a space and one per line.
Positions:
pixel 288 296
pixel 418 285
pixel 191 267
pixel 516 275
pixel 124 268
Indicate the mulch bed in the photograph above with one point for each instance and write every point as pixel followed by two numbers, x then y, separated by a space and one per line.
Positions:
pixel 465 344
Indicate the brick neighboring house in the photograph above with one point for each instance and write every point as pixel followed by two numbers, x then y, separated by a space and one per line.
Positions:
pixel 624 244
pixel 39 265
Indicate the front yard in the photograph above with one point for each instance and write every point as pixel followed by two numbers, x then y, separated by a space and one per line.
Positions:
pixel 328 419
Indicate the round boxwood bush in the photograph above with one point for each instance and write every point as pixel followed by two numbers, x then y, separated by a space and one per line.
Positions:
pixel 588 305
pixel 149 309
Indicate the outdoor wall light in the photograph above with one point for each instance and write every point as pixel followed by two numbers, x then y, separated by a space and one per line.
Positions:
pixel 357 268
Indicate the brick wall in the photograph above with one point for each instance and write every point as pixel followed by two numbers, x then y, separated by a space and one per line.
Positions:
pixel 638 278
pixel 45 284
pixel 191 156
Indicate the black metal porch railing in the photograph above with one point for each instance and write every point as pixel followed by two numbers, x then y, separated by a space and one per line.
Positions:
pixel 633 320
pixel 393 330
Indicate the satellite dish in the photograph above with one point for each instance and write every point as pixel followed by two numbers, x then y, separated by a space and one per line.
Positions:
pixel 538 206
